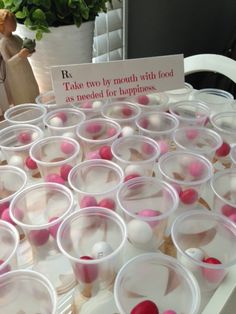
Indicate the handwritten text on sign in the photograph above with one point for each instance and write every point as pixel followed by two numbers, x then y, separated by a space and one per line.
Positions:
pixel 128 78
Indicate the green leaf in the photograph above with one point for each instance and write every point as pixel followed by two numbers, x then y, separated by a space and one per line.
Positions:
pixel 38 15
pixel 39 35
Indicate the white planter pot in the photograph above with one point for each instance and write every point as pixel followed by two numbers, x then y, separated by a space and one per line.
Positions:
pixel 63 45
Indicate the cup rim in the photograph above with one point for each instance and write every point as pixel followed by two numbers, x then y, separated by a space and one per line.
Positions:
pixel 187 87
pixel 232 153
pixel 41 278
pixel 92 211
pixel 164 100
pixel 165 259
pixel 144 179
pixel 48 93
pixel 183 182
pixel 196 213
pixel 215 176
pixel 133 138
pixel 68 110
pixel 76 105
pixel 223 114
pixel 102 141
pixel 95 162
pixel 121 120
pixel 8 112
pixel 15 234
pixel 194 104
pixel 20 126
pixel 59 187
pixel 54 138
pixel 212 133
pixel 214 91
pixel 22 174
pixel 163 114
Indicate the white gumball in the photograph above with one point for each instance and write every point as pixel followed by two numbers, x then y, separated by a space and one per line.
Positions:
pixel 16 161
pixel 139 232
pixel 101 249
pixel 127 131
pixel 196 254
pixel 69 134
pixel 153 99
pixel 11 182
pixel 34 136
pixel 155 120
pixel 97 104
pixel 56 121
pixel 134 169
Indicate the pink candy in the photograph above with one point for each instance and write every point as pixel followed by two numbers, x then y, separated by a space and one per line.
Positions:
pixel 233 218
pixel 5 269
pixel 93 127
pixel 188 196
pixel 150 213
pixel 143 100
pixel 163 146
pixel 30 163
pixel 6 216
pixel 39 237
pixel 64 171
pixel 131 176
pixel 148 149
pixel 111 132
pixel 67 147
pixel 62 115
pixel 53 229
pixel 169 312
pixel 53 177
pixel 93 155
pixel 191 134
pixel 143 122
pixel 196 168
pixel 87 105
pixel 105 152
pixel 4 206
pixel 87 201
pixel 126 111
pixel 107 203
pixel 24 137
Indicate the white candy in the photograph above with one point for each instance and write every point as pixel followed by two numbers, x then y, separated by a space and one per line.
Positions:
pixel 16 161
pixel 139 232
pixel 12 182
pixel 195 253
pixel 127 131
pixel 69 134
pixel 56 121
pixel 101 249
pixel 34 136
pixel 134 169
pixel 97 104
pixel 155 120
pixel 153 99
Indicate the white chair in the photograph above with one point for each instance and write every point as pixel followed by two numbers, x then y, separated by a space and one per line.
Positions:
pixel 212 63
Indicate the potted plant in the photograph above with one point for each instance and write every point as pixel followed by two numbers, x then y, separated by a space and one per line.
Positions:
pixel 63 29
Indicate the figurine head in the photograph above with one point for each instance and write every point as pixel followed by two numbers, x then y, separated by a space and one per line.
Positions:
pixel 7 22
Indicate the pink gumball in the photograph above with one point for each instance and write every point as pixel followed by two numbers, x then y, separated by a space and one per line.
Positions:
pixel 105 152
pixel 87 105
pixel 67 147
pixel 196 169
pixel 88 201
pixel 53 177
pixel 64 171
pixel 127 112
pixel 30 163
pixel 107 203
pixel 39 237
pixel 4 206
pixel 148 213
pixel 191 134
pixel 93 127
pixel 62 115
pixel 143 122
pixel 143 100
pixel 24 137
pixel 53 229
pixel 147 149
pixel 6 216
pixel 93 155
pixel 233 218
pixel 169 312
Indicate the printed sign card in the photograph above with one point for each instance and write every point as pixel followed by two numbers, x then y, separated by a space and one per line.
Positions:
pixel 126 78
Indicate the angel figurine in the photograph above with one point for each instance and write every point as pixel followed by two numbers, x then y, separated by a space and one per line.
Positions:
pixel 20 83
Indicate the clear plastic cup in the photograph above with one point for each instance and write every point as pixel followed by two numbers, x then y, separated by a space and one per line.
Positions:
pixel 55 156
pixel 123 112
pixel 15 143
pixel 223 186
pixel 224 123
pixel 100 191
pixel 206 245
pixel 63 121
pixel 136 155
pixel 39 210
pixel 217 100
pixel 26 114
pixel 9 242
pixel 93 239
pixel 91 109
pixel 26 291
pixel 188 173
pixel 146 204
pixel 47 99
pixel 190 112
pixel 96 135
pixel 156 283
pixel 232 155
pixel 153 101
pixel 198 140
pixel 158 126
pixel 180 94
pixel 12 181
